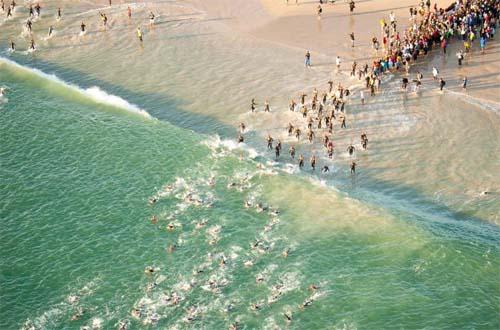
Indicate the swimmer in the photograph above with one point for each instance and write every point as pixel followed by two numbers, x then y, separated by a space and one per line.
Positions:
pixel 149 270
pixel 154 220
pixel 288 316
pixel 170 227
pixel 325 169
pixel 139 34
pixel 152 200
pixel 313 287
pixel 2 91
pixel 353 167
pixel 285 253
pixel 292 152
pixel 255 307
pixel 171 248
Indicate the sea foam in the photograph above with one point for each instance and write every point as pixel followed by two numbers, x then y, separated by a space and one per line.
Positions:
pixel 94 93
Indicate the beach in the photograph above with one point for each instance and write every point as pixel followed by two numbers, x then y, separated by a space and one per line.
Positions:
pixel 127 201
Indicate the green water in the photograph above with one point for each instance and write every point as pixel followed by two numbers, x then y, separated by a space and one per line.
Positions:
pixel 75 179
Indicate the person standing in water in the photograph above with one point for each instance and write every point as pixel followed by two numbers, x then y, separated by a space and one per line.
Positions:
pixel 269 142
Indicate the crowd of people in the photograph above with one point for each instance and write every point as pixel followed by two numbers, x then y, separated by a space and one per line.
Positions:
pixel 430 27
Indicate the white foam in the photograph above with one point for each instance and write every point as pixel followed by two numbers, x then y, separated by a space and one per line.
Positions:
pixel 94 93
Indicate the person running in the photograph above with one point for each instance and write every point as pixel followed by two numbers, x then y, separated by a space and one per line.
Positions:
pixel 301 161
pixel 151 19
pixel 32 45
pixel 51 30
pixel 59 14
pixel 351 35
pixel 269 140
pixel 337 62
pixel 464 83
pixel 308 59
pixel 364 141
pixel 38 9
pixel 139 34
pixel 82 28
pixel 320 10
pixel 129 12
pixel 343 125
pixel 435 73
pixel 352 5
pixel 277 149
pixel 266 106
pixel 292 152
pixel 442 83
pixel 362 97
pixel 353 167
pixel 460 57
pixel 252 105
pixel 313 162
pixel 12 46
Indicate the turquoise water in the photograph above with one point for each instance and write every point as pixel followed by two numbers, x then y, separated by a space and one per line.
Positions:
pixel 76 177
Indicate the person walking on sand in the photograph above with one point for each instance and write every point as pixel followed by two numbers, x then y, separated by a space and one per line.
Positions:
pixel 442 83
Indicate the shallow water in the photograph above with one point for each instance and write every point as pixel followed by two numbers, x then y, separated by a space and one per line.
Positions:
pixel 411 246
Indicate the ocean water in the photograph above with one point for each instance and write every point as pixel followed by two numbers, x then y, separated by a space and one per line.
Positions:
pixel 87 143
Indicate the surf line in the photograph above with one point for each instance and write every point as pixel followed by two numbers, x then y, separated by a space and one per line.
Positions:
pixel 93 93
